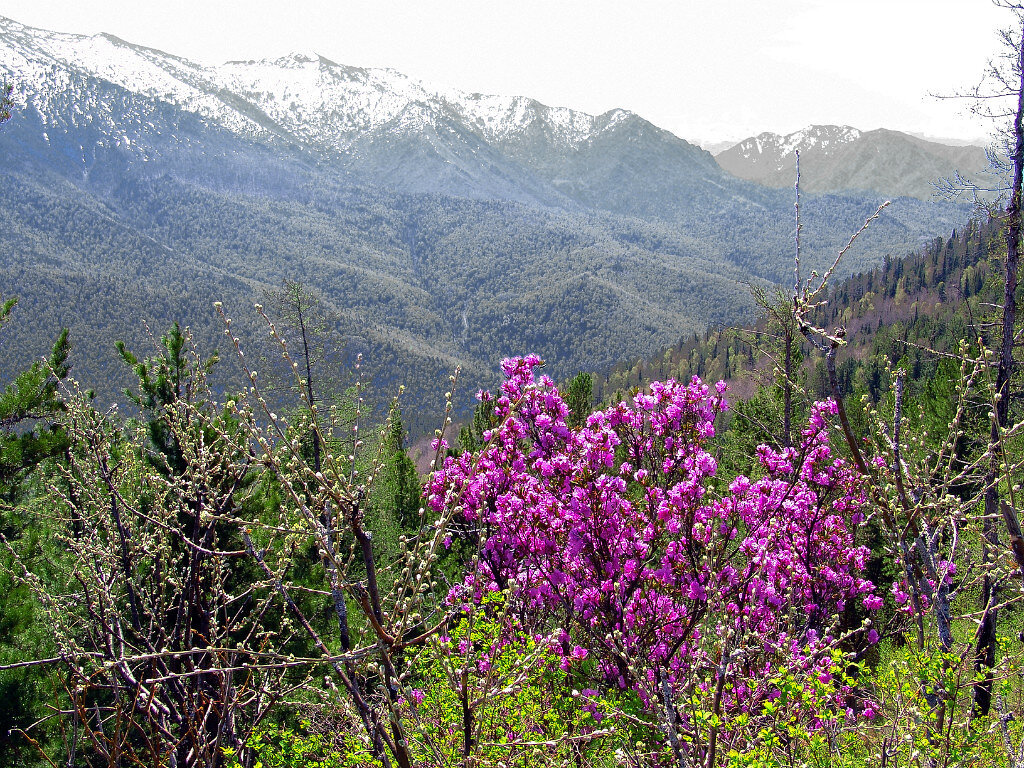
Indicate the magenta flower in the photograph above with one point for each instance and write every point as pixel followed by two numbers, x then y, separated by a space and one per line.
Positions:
pixel 611 533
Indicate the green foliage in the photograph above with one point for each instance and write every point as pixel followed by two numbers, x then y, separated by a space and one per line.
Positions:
pixel 6 102
pixel 754 421
pixel 288 748
pixel 525 709
pixel 398 487
pixel 471 435
pixel 27 406
pixel 579 397
pixel 30 436
pixel 898 314
pixel 777 735
pixel 168 378
pixel 27 693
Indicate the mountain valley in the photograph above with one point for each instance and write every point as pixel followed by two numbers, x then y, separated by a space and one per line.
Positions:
pixel 440 228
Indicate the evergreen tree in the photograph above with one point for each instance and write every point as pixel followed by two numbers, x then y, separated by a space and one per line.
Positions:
pixel 164 380
pixel 6 102
pixel 471 436
pixel 579 397
pixel 30 434
pixel 27 408
pixel 780 342
pixel 400 485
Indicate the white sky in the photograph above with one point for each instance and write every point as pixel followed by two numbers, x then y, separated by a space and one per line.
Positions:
pixel 704 69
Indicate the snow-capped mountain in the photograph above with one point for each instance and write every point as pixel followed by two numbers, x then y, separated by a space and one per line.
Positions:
pixel 770 150
pixel 838 157
pixel 302 98
pixel 442 227
pixel 376 124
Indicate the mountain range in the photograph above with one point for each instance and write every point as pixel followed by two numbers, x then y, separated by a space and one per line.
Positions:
pixel 440 228
pixel 838 157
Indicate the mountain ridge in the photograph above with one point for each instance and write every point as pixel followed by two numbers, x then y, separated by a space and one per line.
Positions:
pixel 315 82
pixel 834 158
pixel 434 229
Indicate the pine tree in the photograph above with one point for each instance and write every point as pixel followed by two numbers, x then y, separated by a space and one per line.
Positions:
pixel 163 381
pixel 30 434
pixel 400 485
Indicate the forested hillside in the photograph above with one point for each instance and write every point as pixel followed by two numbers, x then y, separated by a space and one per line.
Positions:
pixel 439 229
pixel 909 312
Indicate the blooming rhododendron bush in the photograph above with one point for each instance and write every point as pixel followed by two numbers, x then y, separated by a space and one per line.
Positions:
pixel 695 599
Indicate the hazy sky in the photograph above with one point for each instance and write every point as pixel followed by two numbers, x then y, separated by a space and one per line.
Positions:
pixel 704 69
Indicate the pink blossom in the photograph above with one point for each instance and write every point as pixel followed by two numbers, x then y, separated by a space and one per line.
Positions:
pixel 613 528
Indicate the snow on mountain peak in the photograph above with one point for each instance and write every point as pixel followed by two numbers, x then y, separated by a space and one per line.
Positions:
pixel 304 94
pixel 774 149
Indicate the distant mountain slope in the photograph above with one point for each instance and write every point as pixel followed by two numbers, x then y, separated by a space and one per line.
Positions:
pixel 911 312
pixel 441 228
pixel 834 158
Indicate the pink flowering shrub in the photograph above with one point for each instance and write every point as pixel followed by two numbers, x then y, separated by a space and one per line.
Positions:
pixel 689 596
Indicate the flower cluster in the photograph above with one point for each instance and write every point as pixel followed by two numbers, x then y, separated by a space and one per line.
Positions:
pixel 614 533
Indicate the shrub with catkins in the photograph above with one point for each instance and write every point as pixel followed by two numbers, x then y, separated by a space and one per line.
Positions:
pixel 691 598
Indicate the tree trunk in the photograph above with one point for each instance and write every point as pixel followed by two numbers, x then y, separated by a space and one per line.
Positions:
pixel 985 648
